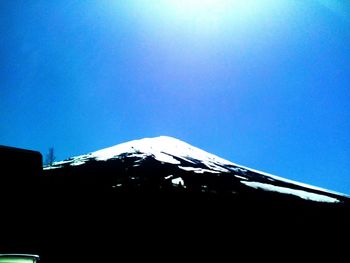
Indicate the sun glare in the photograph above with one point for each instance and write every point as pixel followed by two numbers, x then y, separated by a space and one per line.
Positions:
pixel 205 9
pixel 197 5
pixel 201 14
pixel 200 17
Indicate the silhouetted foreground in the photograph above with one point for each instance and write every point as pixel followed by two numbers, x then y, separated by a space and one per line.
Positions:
pixel 106 210
pixel 19 165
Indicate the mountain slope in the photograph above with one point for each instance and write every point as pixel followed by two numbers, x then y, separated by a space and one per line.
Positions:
pixel 168 162
pixel 160 194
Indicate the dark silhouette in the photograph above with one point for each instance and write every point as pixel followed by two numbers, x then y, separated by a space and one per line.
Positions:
pixel 105 210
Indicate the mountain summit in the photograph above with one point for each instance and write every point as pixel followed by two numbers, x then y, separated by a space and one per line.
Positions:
pixel 167 163
pixel 162 194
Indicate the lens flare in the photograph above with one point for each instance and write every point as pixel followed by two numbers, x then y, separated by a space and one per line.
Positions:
pixel 201 17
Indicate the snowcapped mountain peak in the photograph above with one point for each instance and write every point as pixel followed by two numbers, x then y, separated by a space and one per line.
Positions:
pixel 163 148
pixel 187 159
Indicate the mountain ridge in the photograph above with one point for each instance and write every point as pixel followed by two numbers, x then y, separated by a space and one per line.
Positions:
pixel 172 151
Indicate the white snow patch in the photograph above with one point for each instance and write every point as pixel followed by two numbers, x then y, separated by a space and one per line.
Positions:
pixel 299 193
pixel 168 177
pixel 178 181
pixel 165 158
pixel 137 155
pixel 214 166
pixel 198 170
pixel 60 163
pixel 76 163
pixel 295 182
pixel 52 167
pixel 240 177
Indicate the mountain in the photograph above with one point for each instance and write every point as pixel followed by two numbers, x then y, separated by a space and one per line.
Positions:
pixel 163 162
pixel 161 198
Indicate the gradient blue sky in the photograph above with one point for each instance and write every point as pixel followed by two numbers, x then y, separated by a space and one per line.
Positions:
pixel 265 84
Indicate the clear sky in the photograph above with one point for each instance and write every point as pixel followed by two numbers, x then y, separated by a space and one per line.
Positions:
pixel 265 84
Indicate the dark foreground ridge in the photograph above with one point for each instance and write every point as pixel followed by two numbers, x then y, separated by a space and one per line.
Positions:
pixel 157 194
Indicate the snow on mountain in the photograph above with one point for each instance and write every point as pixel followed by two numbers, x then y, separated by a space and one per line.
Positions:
pixel 189 158
pixel 300 193
pixel 164 149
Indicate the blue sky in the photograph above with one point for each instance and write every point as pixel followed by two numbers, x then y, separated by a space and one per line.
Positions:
pixel 265 84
